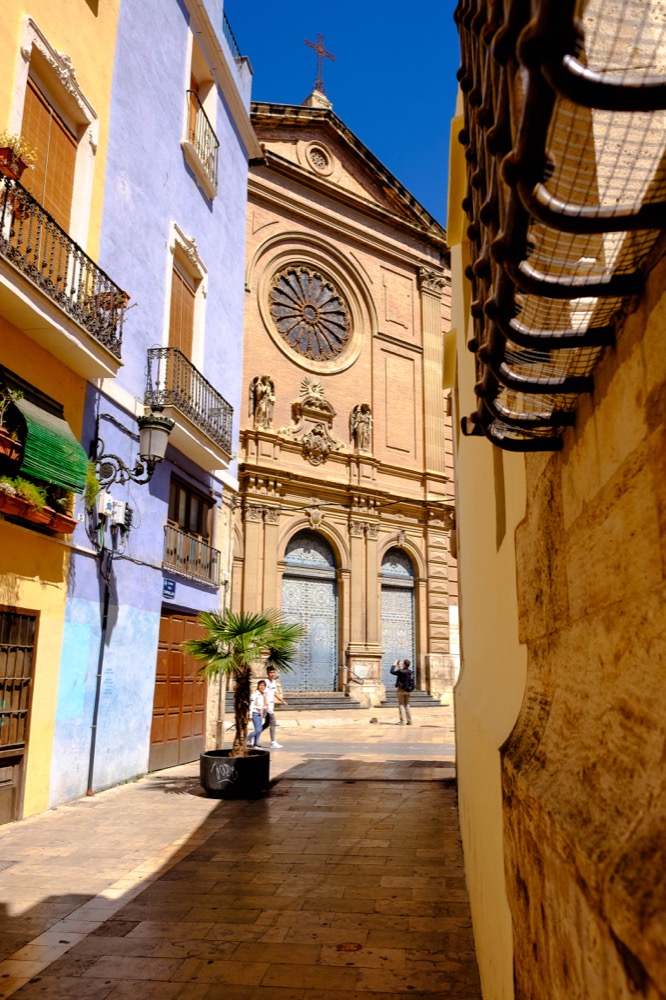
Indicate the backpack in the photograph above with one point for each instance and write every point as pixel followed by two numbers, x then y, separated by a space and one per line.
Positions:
pixel 408 681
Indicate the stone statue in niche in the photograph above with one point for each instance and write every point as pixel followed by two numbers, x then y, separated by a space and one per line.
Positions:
pixel 360 426
pixel 261 400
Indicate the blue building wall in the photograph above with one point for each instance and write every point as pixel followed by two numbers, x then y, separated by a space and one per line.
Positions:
pixel 149 185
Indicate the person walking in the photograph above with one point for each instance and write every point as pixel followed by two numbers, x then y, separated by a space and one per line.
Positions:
pixel 272 695
pixel 258 708
pixel 404 685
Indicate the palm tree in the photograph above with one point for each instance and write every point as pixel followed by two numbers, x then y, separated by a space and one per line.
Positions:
pixel 232 642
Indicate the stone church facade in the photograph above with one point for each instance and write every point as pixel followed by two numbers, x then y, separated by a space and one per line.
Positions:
pixel 345 501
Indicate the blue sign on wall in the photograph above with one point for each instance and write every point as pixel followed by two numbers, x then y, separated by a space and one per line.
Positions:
pixel 168 589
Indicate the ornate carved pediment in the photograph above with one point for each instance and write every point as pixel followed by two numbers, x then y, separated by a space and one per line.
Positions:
pixel 314 416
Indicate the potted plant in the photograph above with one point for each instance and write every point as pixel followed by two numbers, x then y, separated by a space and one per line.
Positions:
pixel 9 446
pixel 231 643
pixel 15 155
pixel 22 498
pixel 63 520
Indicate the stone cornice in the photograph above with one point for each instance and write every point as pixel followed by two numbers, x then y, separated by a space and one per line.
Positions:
pixel 270 115
pixel 279 199
pixel 365 206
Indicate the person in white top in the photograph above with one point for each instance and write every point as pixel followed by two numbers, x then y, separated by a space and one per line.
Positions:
pixel 272 695
pixel 258 708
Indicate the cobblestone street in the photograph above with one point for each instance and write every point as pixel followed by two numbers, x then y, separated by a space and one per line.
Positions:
pixel 346 881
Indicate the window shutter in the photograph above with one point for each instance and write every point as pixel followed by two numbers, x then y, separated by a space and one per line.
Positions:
pixel 51 180
pixel 181 318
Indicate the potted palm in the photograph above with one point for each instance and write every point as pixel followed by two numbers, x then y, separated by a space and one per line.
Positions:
pixel 231 644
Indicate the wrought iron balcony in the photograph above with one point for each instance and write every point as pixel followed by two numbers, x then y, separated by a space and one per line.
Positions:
pixel 230 37
pixel 191 556
pixel 33 242
pixel 172 380
pixel 203 138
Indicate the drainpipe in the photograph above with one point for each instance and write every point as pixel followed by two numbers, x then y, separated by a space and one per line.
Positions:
pixel 107 557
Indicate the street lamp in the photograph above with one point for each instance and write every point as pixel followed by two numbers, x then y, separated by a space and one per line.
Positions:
pixel 154 430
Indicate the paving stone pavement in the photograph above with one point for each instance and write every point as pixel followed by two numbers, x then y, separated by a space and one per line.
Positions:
pixel 345 882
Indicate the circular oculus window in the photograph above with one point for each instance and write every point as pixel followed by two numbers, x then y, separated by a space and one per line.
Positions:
pixel 309 314
pixel 319 159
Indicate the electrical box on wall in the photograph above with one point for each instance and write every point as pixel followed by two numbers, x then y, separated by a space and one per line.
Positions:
pixel 105 504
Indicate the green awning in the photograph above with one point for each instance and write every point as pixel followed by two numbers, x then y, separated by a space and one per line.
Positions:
pixel 51 451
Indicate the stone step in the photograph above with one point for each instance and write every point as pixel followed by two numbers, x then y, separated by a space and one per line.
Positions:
pixel 418 699
pixel 310 701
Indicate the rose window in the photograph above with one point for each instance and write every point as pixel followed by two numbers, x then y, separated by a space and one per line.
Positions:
pixel 309 313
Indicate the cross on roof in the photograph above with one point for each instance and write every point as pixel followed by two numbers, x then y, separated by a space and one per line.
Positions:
pixel 322 54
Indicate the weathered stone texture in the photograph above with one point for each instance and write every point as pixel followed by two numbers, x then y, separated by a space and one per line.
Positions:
pixel 583 780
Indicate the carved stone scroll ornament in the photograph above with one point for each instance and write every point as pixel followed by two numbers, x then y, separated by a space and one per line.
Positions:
pixel 356 528
pixel 431 281
pixel 372 532
pixel 317 444
pixel 360 427
pixel 261 399
pixel 272 515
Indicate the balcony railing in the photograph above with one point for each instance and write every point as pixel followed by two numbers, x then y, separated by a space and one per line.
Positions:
pixel 172 380
pixel 33 242
pixel 190 555
pixel 203 138
pixel 229 35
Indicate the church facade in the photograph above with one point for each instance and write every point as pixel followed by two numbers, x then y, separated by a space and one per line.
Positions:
pixel 345 495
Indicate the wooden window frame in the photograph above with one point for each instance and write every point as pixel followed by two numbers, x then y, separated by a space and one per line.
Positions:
pixel 179 486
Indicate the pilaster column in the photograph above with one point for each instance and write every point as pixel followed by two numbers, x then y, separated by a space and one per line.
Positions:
pixel 431 286
pixel 271 526
pixel 357 545
pixel 252 568
pixel 372 589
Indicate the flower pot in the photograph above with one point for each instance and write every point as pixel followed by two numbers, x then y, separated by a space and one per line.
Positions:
pixel 226 777
pixel 20 205
pixel 12 505
pixel 10 448
pixel 11 165
pixel 64 524
pixel 39 515
pixel 111 300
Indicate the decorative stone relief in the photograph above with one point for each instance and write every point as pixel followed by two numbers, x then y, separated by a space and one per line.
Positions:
pixel 360 427
pixel 317 443
pixel 272 515
pixel 356 528
pixel 431 281
pixel 187 246
pixel 254 513
pixel 314 417
pixel 261 399
pixel 60 64
pixel 372 531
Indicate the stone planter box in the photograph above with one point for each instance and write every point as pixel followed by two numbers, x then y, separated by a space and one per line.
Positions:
pixel 226 777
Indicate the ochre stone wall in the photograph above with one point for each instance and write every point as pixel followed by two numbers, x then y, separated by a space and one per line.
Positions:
pixel 583 773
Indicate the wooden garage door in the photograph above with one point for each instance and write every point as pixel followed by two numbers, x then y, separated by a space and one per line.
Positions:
pixel 179 709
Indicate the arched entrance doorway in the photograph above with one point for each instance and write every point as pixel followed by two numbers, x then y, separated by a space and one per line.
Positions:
pixel 309 596
pixel 397 612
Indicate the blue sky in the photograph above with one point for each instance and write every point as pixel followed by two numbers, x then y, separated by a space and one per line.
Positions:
pixel 392 83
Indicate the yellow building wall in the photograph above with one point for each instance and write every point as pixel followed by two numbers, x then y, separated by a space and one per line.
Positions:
pixel 34 568
pixel 490 502
pixel 85 31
